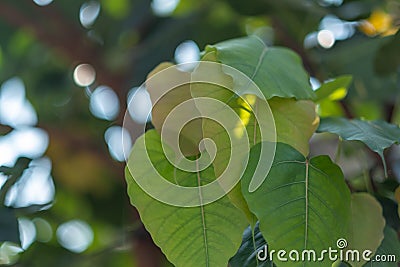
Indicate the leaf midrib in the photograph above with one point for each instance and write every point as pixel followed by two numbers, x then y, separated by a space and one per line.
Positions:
pixel 306 199
pixel 203 219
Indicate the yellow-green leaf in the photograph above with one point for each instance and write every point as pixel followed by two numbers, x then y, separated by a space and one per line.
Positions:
pixel 295 122
pixel 367 225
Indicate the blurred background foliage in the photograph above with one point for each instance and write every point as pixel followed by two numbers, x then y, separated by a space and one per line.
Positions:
pixel 69 68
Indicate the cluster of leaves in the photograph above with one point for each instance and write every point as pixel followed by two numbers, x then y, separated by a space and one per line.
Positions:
pixel 304 202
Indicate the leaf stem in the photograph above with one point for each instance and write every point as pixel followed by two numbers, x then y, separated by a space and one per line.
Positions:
pixel 338 150
pixel 366 176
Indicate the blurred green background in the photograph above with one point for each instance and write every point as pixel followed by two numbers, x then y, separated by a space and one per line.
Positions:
pixel 68 68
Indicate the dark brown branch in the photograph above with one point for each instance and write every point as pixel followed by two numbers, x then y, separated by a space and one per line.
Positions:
pixel 4 129
pixel 284 36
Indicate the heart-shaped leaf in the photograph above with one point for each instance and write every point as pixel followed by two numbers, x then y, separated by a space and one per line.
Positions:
pixel 207 235
pixel 302 204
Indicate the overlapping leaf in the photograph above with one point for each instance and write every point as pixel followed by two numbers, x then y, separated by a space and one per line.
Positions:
pixel 335 89
pixel 208 235
pixel 168 87
pixel 377 135
pixel 367 225
pixel 252 243
pixel 302 204
pixel 390 247
pixel 296 122
pixel 276 71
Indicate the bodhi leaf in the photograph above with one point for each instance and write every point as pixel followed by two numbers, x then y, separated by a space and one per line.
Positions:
pixel 168 87
pixel 223 132
pixel 367 225
pixel 389 246
pixel 252 243
pixel 334 90
pixel 295 121
pixel 208 235
pixel 276 71
pixel 377 135
pixel 302 204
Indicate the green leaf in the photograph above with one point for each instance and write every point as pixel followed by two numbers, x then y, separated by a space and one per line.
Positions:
pixel 390 246
pixel 327 108
pixel 252 242
pixel 390 208
pixel 295 122
pixel 397 197
pixel 217 131
pixel 377 135
pixel 335 89
pixel 340 264
pixel 165 95
pixel 9 230
pixel 302 204
pixel 276 71
pixel 367 224
pixel 208 235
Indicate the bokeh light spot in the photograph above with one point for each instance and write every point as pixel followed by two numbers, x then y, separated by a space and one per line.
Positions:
pixel 326 3
pixel 326 39
pixel 42 2
pixel 139 105
pixel 341 29
pixel 28 142
pixel 104 103
pixel 27 232
pixel 187 52
pixel 75 235
pixel 310 40
pixel 35 187
pixel 164 8
pixel 315 83
pixel 84 75
pixel 9 253
pixel 88 13
pixel 15 110
pixel 44 231
pixel 119 142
